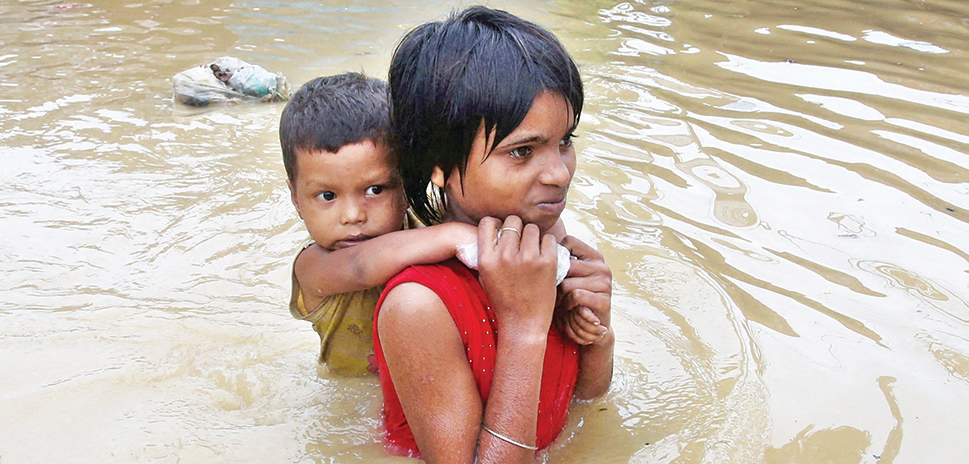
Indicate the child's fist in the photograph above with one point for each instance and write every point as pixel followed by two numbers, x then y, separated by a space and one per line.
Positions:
pixel 580 325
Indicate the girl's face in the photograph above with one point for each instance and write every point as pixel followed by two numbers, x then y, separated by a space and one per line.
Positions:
pixel 526 174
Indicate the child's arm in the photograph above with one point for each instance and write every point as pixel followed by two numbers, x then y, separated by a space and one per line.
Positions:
pixel 322 272
pixel 589 285
pixel 580 324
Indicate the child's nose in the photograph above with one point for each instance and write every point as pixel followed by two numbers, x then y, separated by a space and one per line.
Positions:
pixel 353 213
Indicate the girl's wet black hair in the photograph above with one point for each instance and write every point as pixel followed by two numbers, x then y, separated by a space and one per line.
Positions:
pixel 447 79
pixel 329 112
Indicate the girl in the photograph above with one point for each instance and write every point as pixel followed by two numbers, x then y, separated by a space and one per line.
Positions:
pixel 484 107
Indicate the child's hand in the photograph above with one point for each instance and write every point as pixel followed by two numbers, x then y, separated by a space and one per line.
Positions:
pixel 586 289
pixel 579 325
pixel 461 234
pixel 464 238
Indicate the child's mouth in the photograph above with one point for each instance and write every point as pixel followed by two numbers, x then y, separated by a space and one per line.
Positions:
pixel 353 240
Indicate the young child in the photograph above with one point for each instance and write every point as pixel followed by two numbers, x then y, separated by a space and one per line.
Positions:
pixel 342 175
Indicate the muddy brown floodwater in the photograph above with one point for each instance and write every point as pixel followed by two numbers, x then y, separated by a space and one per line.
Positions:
pixel 780 187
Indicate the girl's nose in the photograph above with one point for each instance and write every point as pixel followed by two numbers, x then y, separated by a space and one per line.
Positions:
pixel 557 168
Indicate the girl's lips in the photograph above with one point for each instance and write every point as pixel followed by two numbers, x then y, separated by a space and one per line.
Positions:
pixel 552 207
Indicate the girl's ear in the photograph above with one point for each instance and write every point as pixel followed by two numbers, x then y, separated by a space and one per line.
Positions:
pixel 437 177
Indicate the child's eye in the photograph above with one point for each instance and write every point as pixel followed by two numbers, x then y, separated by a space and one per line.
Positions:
pixel 521 152
pixel 374 190
pixel 567 140
pixel 327 196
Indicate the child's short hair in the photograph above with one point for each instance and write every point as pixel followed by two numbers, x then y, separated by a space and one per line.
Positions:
pixel 447 78
pixel 327 113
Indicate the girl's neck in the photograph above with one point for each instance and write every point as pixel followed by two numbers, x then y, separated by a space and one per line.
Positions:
pixel 558 230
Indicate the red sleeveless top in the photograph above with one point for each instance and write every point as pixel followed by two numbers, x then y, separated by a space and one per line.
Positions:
pixel 461 292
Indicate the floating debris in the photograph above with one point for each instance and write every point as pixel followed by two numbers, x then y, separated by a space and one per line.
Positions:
pixel 229 80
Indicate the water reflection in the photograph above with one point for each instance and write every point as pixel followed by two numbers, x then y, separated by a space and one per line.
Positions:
pixel 780 188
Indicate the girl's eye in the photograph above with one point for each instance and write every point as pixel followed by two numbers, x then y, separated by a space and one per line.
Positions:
pixel 374 190
pixel 327 196
pixel 521 152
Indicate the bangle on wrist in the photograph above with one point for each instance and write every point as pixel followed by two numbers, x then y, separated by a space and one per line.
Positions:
pixel 508 440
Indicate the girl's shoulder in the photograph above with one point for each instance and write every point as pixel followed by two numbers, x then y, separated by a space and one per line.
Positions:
pixel 450 274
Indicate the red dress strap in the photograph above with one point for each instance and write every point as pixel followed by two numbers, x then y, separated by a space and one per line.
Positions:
pixel 468 306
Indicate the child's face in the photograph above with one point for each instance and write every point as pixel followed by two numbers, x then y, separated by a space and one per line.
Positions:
pixel 349 196
pixel 527 174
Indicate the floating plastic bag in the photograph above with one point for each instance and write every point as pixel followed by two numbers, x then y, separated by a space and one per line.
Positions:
pixel 228 80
